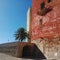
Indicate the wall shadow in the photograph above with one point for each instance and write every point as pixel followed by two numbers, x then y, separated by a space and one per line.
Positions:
pixel 32 52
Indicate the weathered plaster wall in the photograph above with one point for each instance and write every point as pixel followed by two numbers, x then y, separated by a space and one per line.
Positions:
pixel 50 21
pixel 49 47
pixel 46 37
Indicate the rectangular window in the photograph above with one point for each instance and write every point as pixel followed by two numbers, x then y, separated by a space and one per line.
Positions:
pixel 40 22
pixel 42 5
pixel 49 1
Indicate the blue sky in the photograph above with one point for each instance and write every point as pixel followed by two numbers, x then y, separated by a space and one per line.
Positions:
pixel 12 16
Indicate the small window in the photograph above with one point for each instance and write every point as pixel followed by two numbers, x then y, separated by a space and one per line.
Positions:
pixel 49 1
pixel 40 22
pixel 42 5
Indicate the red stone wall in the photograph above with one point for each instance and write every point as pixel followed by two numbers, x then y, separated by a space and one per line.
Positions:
pixel 50 21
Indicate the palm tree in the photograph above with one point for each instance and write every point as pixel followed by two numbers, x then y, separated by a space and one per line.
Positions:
pixel 20 34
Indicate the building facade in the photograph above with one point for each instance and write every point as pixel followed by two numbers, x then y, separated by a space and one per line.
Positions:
pixel 45 26
pixel 48 24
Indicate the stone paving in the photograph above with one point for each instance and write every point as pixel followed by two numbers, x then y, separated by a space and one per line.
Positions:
pixel 8 57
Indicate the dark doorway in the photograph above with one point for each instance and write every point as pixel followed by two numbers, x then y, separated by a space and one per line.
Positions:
pixel 27 52
pixel 32 51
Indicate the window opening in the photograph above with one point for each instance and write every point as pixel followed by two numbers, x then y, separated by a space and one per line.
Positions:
pixel 49 1
pixel 42 5
pixel 41 22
